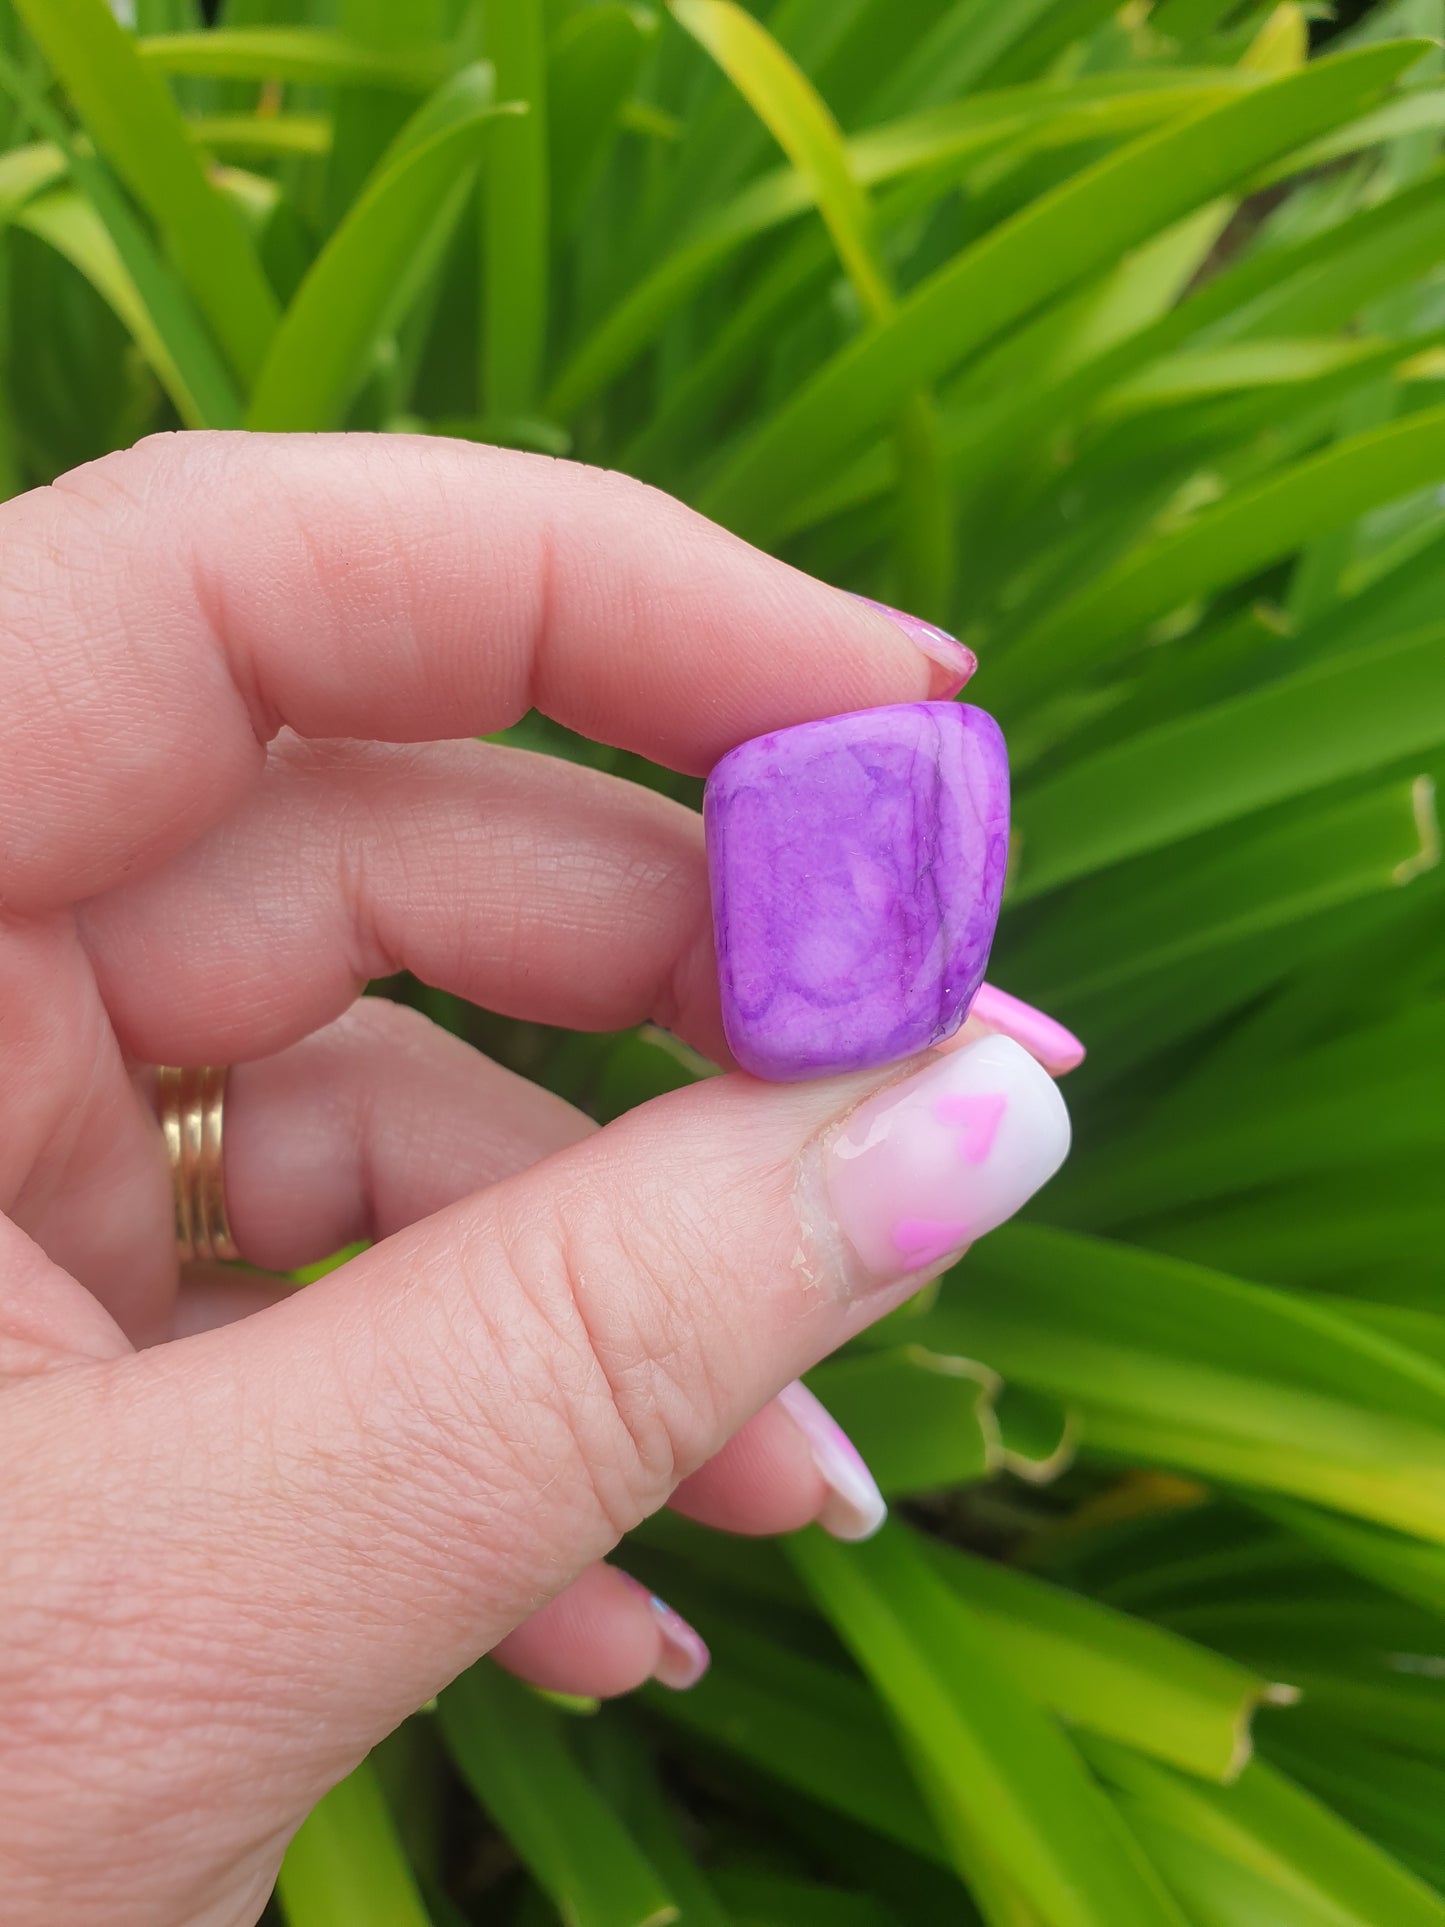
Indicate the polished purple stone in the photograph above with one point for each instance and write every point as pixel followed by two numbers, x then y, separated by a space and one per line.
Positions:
pixel 857 865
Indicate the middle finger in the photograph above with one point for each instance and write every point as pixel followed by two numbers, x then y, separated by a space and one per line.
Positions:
pixel 532 886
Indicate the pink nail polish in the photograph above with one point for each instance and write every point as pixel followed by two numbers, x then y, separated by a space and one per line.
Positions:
pixel 854 1508
pixel 927 1165
pixel 1057 1049
pixel 684 1657
pixel 945 650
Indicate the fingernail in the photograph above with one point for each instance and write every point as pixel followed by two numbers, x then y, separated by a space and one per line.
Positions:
pixel 854 1508
pixel 1042 1036
pixel 684 1657
pixel 925 1166
pixel 953 657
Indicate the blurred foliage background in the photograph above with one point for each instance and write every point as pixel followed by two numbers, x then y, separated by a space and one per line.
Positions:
pixel 1112 337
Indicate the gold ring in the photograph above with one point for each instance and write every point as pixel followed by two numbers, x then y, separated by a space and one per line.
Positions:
pixel 189 1106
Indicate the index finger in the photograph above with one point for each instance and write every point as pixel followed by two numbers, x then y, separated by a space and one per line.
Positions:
pixel 164 611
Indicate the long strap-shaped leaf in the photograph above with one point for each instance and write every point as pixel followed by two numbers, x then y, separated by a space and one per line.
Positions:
pixel 1109 1673
pixel 1340 718
pixel 1011 1789
pixel 95 227
pixel 304 54
pixel 510 1750
pixel 933 142
pixel 785 101
pixel 137 125
pixel 1288 870
pixel 363 277
pixel 26 172
pixel 1175 1365
pixel 1031 258
pixel 516 218
pixel 346 1866
pixel 158 321
pixel 1266 1824
pixel 1250 528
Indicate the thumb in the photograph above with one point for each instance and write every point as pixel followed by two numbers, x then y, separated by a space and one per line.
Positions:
pixel 333 1507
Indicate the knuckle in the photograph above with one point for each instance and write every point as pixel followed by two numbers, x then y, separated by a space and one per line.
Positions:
pixel 572 1338
pixel 627 1276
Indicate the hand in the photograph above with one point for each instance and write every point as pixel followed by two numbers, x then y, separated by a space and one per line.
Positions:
pixel 237 1550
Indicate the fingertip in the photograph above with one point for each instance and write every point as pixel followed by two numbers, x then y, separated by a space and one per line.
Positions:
pixel 951 662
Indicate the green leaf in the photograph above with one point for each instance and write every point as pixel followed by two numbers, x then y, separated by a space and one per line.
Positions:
pixel 1038 1436
pixel 1270 1827
pixel 799 120
pixel 1173 1365
pixel 1111 1674
pixel 365 120
pixel 1324 278
pixel 1315 284
pixel 367 273
pixel 802 126
pixel 516 216
pixel 26 172
pixel 593 61
pixel 1311 1230
pixel 1250 528
pixel 1275 1120
pixel 642 1064
pixel 964 44
pixel 102 237
pixel 1422 111
pixel 262 135
pixel 990 405
pixel 1342 718
pixel 303 54
pixel 618 1759
pixel 1010 1786
pixel 137 126
pixel 346 1868
pixel 201 390
pixel 1390 1559
pixel 1394 1798
pixel 919 1419
pixel 807 1726
pixel 1037 254
pixel 766 1900
pixel 1130 925
pixel 1193 373
pixel 510 1749
pixel 936 146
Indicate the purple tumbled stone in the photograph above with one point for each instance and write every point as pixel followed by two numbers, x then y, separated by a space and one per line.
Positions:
pixel 857 865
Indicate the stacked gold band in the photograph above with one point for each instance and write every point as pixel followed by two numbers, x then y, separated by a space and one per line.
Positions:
pixel 188 1105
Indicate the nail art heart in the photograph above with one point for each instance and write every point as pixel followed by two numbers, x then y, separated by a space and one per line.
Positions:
pixel 923 1241
pixel 976 1119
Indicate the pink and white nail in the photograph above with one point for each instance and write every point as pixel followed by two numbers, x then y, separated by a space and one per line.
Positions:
pixel 854 1507
pixel 927 1165
pixel 684 1656
pixel 1042 1036
pixel 954 658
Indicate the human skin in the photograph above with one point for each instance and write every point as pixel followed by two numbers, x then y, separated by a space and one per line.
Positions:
pixel 245 1533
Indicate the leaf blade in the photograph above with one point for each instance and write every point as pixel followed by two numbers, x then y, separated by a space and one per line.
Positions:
pixel 136 124
pixel 1051 244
